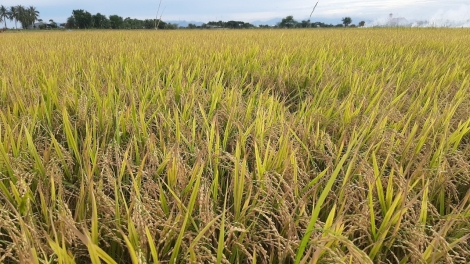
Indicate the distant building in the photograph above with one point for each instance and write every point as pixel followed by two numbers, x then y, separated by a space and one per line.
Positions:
pixel 42 24
pixel 397 21
pixel 38 25
pixel 421 23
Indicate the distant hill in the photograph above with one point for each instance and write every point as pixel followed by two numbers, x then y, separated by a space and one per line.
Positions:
pixel 270 22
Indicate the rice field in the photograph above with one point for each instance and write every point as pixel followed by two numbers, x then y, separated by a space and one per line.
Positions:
pixel 256 146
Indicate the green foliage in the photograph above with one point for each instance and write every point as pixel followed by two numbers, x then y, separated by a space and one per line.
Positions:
pixel 52 23
pixel 100 21
pixel 13 15
pixel 81 19
pixel 346 21
pixel 229 24
pixel 25 15
pixel 4 14
pixel 115 21
pixel 71 22
pixel 288 22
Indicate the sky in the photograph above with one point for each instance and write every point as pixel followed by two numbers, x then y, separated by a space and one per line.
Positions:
pixel 439 11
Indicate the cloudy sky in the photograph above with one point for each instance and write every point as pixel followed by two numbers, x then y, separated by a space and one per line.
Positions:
pixel 252 10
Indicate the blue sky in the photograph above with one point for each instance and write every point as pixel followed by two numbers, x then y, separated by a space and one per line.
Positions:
pixel 252 10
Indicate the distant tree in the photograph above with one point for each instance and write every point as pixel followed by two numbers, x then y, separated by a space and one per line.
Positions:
pixel 83 19
pixel 323 25
pixel 21 16
pixel 52 23
pixel 305 24
pixel 362 23
pixel 212 24
pixel 233 24
pixel 237 24
pixel 129 23
pixel 27 16
pixel 13 15
pixel 132 23
pixel 352 25
pixel 339 25
pixel 149 24
pixel 116 21
pixel 346 21
pixel 288 22
pixel 248 25
pixel 229 24
pixel 71 22
pixel 160 23
pixel 192 26
pixel 100 21
pixel 171 26
pixel 32 15
pixel 4 14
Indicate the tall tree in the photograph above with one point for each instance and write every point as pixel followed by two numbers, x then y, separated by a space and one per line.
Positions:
pixel 116 21
pixel 4 15
pixel 13 15
pixel 129 23
pixel 83 19
pixel 362 23
pixel 346 21
pixel 71 22
pixel 288 22
pixel 22 16
pixel 32 15
pixel 100 21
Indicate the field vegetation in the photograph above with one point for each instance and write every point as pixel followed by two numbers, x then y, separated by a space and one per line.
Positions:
pixel 257 146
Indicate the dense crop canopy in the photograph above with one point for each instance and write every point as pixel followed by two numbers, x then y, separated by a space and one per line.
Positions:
pixel 266 146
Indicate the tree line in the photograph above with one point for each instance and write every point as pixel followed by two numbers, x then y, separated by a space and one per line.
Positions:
pixel 81 19
pixel 25 15
pixel 85 20
pixel 222 24
pixel 290 22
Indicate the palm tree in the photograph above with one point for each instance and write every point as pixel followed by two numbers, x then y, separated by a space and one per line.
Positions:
pixel 13 15
pixel 32 14
pixel 4 15
pixel 20 15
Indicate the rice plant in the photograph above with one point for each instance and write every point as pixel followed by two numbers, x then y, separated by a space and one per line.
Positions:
pixel 276 146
